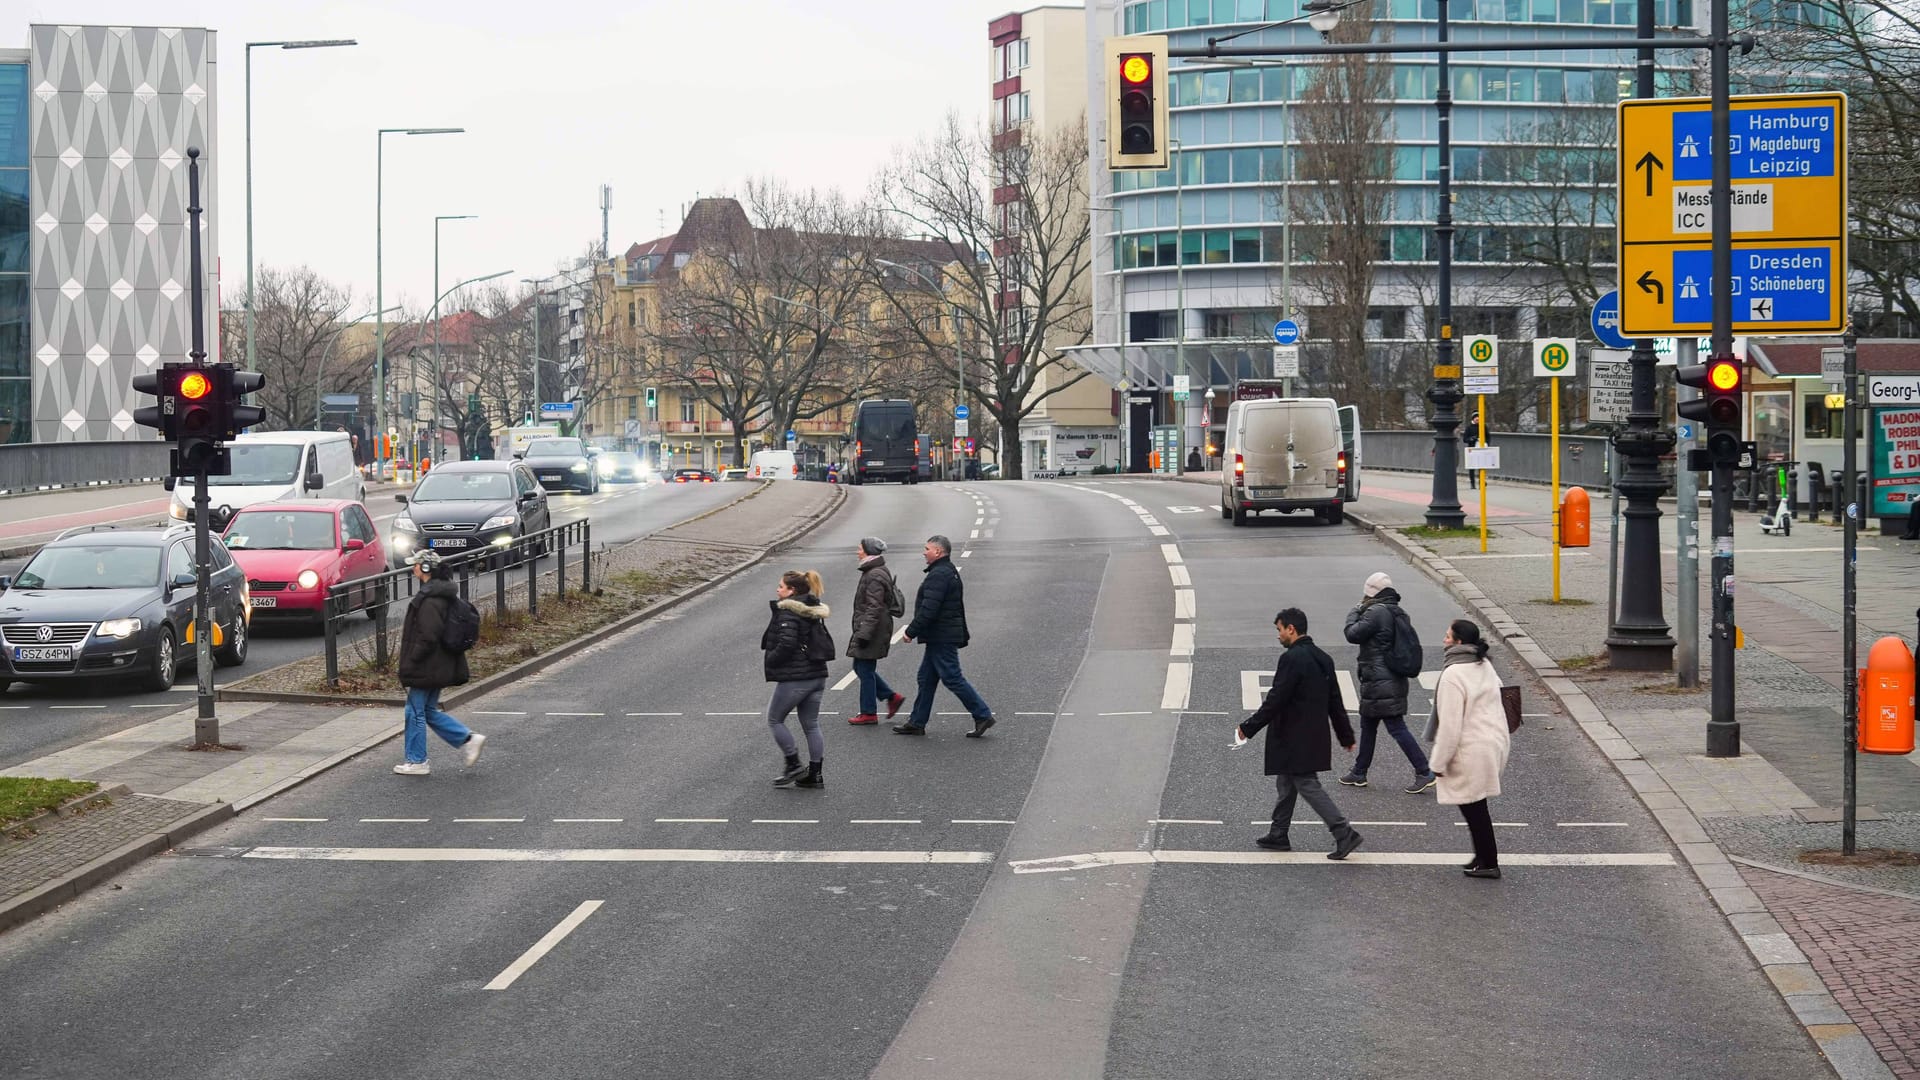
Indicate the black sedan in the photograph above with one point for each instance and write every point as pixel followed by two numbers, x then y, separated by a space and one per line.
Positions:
pixel 562 465
pixel 468 506
pixel 100 602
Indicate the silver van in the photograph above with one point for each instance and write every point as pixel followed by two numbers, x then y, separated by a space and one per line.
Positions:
pixel 1284 454
pixel 278 466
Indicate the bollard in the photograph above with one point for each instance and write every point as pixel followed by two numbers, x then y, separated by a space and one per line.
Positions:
pixel 1576 525
pixel 333 641
pixel 380 636
pixel 533 579
pixel 500 591
pixel 586 556
pixel 1886 698
pixel 560 561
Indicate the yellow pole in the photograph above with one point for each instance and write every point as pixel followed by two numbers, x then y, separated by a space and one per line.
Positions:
pixel 1556 488
pixel 1483 475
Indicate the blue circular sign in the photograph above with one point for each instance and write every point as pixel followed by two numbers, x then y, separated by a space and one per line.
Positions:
pixel 1606 322
pixel 961 412
pixel 1286 332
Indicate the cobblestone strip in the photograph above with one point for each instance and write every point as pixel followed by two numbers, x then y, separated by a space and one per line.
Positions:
pixel 66 857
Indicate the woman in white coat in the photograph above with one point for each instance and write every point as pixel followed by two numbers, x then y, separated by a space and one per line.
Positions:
pixel 1470 740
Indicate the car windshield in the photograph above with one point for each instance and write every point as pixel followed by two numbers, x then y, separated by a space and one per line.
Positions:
pixel 556 448
pixel 257 463
pixel 281 530
pixel 475 486
pixel 92 566
pixel 619 457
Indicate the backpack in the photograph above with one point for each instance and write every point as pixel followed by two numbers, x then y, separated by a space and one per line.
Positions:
pixel 896 603
pixel 819 643
pixel 461 630
pixel 1403 654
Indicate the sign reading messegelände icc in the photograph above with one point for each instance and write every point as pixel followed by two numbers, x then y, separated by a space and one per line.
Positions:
pixel 1789 167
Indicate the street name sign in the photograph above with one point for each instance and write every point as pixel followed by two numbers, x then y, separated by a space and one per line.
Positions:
pixel 1609 386
pixel 1833 369
pixel 1788 157
pixel 1893 389
pixel 1553 358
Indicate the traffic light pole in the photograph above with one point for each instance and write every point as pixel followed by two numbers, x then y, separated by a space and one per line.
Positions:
pixel 1849 512
pixel 206 726
pixel 1723 731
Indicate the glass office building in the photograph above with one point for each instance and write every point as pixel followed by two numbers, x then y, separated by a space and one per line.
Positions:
pixel 15 412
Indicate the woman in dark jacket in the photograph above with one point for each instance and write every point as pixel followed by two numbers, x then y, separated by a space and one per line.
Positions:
pixel 1383 695
pixel 872 635
pixel 797 646
pixel 428 667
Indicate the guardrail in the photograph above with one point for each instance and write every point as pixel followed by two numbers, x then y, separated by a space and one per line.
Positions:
pixel 40 466
pixel 375 595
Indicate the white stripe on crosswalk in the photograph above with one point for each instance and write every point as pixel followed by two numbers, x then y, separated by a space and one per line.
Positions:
pixel 1094 859
pixel 656 855
pixel 1182 640
pixel 1179 685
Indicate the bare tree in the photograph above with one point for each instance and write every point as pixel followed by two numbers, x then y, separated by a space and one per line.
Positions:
pixel 1015 264
pixel 296 317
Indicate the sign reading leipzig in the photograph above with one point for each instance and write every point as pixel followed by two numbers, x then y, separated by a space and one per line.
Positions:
pixel 1788 157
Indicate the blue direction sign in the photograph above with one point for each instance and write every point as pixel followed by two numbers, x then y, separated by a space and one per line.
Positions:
pixel 961 412
pixel 1765 143
pixel 1606 322
pixel 1286 332
pixel 1781 284
pixel 557 410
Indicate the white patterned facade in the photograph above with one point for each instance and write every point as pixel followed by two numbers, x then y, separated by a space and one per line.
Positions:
pixel 112 111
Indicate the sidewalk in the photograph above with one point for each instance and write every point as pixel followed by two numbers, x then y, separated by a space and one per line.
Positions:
pixel 1839 938
pixel 178 792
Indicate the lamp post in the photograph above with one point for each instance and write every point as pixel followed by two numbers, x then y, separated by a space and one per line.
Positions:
pixel 435 411
pixel 326 357
pixel 379 282
pixel 1443 510
pixel 434 364
pixel 1206 432
pixel 959 357
pixel 252 45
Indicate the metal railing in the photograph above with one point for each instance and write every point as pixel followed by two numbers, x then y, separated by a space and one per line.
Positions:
pixel 374 596
pixel 34 466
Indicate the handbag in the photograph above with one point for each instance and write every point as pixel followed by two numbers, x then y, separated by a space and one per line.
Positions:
pixel 1510 700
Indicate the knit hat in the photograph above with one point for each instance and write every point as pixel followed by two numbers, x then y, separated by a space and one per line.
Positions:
pixel 1377 582
pixel 873 545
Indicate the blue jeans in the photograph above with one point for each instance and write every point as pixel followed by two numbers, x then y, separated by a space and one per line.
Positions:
pixel 423 712
pixel 941 664
pixel 873 688
pixel 1396 727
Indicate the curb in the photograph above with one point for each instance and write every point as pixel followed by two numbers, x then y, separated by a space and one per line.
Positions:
pixel 1832 1030
pixel 71 884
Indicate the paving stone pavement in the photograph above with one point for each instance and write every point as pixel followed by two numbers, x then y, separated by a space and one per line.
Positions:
pixel 69 843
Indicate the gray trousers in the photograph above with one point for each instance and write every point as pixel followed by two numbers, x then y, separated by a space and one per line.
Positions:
pixel 802 696
pixel 1307 786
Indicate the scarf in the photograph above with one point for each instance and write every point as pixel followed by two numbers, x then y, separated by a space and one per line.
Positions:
pixel 1456 654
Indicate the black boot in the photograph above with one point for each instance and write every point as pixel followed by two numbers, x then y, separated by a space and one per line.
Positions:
pixel 810 778
pixel 792 772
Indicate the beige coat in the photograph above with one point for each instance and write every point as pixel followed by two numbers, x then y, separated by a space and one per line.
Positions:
pixel 1470 743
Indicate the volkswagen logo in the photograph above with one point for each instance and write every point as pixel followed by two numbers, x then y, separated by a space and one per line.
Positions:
pixel 45 633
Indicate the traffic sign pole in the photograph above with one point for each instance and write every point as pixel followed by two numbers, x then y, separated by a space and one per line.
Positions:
pixel 1849 629
pixel 1723 730
pixel 1686 493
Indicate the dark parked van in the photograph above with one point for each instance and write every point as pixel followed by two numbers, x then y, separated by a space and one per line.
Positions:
pixel 884 434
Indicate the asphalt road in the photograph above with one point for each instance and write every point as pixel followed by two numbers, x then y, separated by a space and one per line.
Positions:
pixel 946 906
pixel 37 719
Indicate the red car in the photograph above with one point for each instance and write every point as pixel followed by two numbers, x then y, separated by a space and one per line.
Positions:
pixel 292 552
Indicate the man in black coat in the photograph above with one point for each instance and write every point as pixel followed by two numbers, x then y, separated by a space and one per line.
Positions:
pixel 1304 700
pixel 1383 695
pixel 940 623
pixel 427 667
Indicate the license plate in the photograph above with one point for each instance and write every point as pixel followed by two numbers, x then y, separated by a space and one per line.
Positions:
pixel 551 476
pixel 1269 493
pixel 456 542
pixel 43 652
pixel 266 601
pixel 871 464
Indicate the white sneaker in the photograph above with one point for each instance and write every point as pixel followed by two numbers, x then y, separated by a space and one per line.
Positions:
pixel 471 748
pixel 412 768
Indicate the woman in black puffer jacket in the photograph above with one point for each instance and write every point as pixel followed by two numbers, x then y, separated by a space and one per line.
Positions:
pixel 797 646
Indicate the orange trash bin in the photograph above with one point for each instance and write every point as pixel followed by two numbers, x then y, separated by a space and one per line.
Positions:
pixel 1576 525
pixel 1886 699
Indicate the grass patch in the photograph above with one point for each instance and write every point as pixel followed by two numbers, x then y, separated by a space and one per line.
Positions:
pixel 21 797
pixel 1583 663
pixel 1566 602
pixel 1430 532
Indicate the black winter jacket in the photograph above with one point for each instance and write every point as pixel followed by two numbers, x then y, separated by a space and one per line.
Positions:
pixel 940 607
pixel 425 664
pixel 795 623
pixel 1304 701
pixel 1370 626
pixel 872 634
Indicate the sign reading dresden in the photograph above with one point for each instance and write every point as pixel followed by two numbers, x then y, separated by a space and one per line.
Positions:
pixel 1788 161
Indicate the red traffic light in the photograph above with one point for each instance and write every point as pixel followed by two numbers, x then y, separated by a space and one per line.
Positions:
pixel 194 386
pixel 1136 68
pixel 1724 376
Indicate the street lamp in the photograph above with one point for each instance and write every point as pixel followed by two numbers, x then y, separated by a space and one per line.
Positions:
pixel 379 282
pixel 959 359
pixel 1443 508
pixel 326 357
pixel 1206 431
pixel 252 45
pixel 435 315
pixel 435 412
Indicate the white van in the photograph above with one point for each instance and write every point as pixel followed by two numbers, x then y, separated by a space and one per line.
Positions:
pixel 1284 454
pixel 278 466
pixel 773 465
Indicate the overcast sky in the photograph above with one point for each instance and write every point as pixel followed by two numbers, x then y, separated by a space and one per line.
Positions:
pixel 666 100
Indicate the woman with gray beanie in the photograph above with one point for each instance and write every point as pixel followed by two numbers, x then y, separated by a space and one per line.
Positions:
pixel 876 600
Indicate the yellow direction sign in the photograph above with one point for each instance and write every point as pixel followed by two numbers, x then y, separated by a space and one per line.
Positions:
pixel 1788 155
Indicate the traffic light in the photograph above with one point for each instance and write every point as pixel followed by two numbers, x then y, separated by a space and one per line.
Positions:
pixel 650 402
pixel 1137 126
pixel 1718 407
pixel 236 414
pixel 159 415
pixel 196 419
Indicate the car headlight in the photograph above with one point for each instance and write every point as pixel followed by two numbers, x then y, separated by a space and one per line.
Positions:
pixel 503 540
pixel 308 580
pixel 497 521
pixel 177 511
pixel 579 466
pixel 405 524
pixel 119 628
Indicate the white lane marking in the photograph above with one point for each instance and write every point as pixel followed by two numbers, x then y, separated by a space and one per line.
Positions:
pixel 690 821
pixel 980 521
pixel 1178 686
pixel 588 820
pixel 76 706
pixel 1349 689
pixel 1179 574
pixel 497 712
pixel 1183 606
pixel 975 535
pixel 980 821
pixel 142 706
pixel 884 821
pixel 654 714
pixel 1093 859
pixel 1159 530
pixel 1429 680
pixel 544 945
pixel 23 708
pixel 1186 509
pixel 488 820
pixel 1128 502
pixel 1203 712
pixel 899 635
pixel 1145 520
pixel 1182 640
pixel 654 855
pixel 1148 713
pixel 846 682
pixel 574 714
pixel 754 713
pixel 1184 821
pixel 786 821
pixel 1381 823
pixel 293 819
pixel 1170 552
pixel 394 820
pixel 966 554
pixel 1252 688
pixel 1498 824
pixel 1591 824
pixel 1033 714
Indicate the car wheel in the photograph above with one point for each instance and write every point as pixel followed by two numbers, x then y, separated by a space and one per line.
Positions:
pixel 161 677
pixel 1226 512
pixel 4 684
pixel 234 652
pixel 1239 517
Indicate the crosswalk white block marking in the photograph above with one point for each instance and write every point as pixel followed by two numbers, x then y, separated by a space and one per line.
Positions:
pixel 1179 685
pixel 1180 576
pixel 1170 552
pixel 1183 606
pixel 1349 690
pixel 1159 530
pixel 1252 689
pixel 1186 509
pixel 846 681
pixel 1182 640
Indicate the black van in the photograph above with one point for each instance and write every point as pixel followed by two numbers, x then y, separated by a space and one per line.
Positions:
pixel 884 436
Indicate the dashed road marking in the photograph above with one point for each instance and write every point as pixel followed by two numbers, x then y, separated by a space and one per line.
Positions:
pixel 394 820
pixel 76 706
pixel 1178 686
pixel 786 821
pixel 654 855
pixel 689 821
pixel 588 820
pixel 1184 821
pixel 655 714
pixel 980 821
pixel 1179 575
pixel 1123 714
pixel 574 714
pixel 1094 859
pixel 884 821
pixel 1170 552
pixel 1183 604
pixel 1182 640
pixel 1033 714
pixel 293 819
pixel 966 554
pixel 1591 824
pixel 544 945
pixel 1159 530
pixel 488 820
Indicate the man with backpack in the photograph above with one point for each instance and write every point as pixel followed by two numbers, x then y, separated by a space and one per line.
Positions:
pixel 1389 656
pixel 439 628
pixel 876 603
